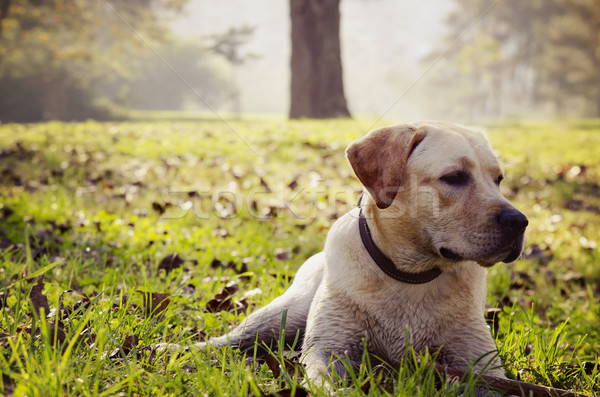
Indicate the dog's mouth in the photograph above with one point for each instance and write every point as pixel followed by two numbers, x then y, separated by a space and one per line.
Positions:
pixel 513 255
pixel 449 254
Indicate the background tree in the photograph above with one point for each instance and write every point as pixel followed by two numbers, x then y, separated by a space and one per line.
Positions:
pixel 317 89
pixel 546 57
pixel 77 59
pixel 149 83
pixel 228 44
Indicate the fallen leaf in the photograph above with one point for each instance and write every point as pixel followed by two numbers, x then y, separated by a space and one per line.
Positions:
pixel 216 305
pixel 155 303
pixel 312 145
pixel 37 298
pixel 223 301
pixel 56 332
pixel 217 263
pixel 189 289
pixel 293 184
pixel 492 317
pixel 84 303
pixel 62 310
pixel 273 365
pixel 282 254
pixel 291 362
pixel 160 208
pixel 61 227
pixel 170 262
pixel 86 336
pixel 130 343
pixel 231 289
pixel 152 355
pixel 521 280
pixel 127 346
pixel 8 384
pixel 6 211
pixel 506 302
pixel 589 367
pixel 264 184
pixel 269 212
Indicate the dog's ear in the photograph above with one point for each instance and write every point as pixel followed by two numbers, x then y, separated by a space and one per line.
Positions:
pixel 379 159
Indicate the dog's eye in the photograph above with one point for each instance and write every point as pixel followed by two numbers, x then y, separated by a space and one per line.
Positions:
pixel 500 179
pixel 457 178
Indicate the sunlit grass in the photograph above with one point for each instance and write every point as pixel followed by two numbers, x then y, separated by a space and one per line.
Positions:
pixel 95 207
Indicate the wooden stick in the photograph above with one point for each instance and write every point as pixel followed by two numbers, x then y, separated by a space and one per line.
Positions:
pixel 509 386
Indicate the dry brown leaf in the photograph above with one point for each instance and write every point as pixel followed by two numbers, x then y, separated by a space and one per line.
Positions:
pixel 154 303
pixel 128 345
pixel 37 298
pixel 170 262
pixel 223 301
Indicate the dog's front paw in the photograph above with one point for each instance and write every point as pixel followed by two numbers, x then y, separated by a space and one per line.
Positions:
pixel 198 346
pixel 483 392
pixel 168 347
pixel 177 348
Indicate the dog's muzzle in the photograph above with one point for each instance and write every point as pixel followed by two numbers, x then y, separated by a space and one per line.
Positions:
pixel 511 225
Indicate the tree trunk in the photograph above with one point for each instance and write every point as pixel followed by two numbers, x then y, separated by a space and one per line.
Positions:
pixel 598 79
pixel 317 89
pixel 54 100
pixel 4 7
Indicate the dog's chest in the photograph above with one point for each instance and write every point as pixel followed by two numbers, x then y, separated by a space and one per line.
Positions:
pixel 400 324
pixel 396 316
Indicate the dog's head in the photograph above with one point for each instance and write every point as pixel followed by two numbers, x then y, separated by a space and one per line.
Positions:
pixel 437 185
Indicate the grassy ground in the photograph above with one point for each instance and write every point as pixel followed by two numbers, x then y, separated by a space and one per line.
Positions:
pixel 152 232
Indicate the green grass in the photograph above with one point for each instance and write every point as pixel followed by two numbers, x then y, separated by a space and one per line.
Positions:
pixel 249 201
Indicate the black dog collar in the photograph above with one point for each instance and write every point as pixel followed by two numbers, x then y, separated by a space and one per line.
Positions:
pixel 385 264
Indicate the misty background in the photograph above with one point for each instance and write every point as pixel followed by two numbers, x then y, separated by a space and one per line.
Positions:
pixel 462 60
pixel 383 46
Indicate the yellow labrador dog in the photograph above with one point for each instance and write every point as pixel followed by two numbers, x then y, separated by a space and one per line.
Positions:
pixel 408 263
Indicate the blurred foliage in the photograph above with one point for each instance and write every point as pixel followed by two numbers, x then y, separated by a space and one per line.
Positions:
pixel 170 76
pixel 229 43
pixel 510 57
pixel 77 59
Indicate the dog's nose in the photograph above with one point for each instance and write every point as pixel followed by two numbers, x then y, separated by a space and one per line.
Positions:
pixel 513 219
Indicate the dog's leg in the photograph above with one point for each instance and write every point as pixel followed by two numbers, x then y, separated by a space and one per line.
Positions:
pixel 477 349
pixel 333 339
pixel 473 345
pixel 264 324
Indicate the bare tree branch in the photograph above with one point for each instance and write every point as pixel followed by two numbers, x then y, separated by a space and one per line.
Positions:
pixel 509 386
